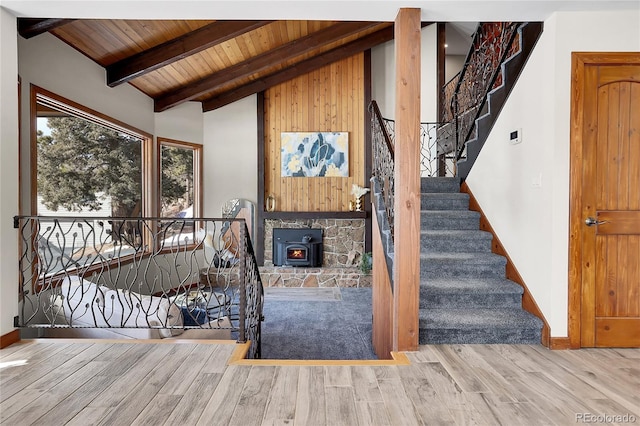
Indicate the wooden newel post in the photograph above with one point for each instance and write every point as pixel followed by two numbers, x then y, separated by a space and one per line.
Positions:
pixel 407 182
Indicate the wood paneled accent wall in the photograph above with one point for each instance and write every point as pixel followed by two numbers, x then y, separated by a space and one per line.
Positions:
pixel 330 99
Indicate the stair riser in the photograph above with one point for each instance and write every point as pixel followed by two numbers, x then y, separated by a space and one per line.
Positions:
pixel 429 222
pixel 432 203
pixel 440 185
pixel 439 269
pixel 459 336
pixel 469 301
pixel 431 244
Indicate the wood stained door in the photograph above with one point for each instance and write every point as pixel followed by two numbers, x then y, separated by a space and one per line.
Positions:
pixel 610 203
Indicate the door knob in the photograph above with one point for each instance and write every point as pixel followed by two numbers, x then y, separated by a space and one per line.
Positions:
pixel 591 221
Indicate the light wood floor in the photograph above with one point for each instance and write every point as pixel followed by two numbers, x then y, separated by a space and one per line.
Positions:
pixel 91 382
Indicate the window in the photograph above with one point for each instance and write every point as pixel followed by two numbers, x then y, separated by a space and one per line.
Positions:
pixel 180 183
pixel 85 164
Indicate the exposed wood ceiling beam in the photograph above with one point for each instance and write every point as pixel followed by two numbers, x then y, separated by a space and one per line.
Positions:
pixel 300 68
pixel 31 27
pixel 261 62
pixel 176 49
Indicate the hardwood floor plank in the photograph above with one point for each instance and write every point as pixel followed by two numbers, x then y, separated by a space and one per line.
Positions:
pixel 157 411
pixel 17 402
pixel 341 406
pixel 127 359
pixel 419 390
pixel 310 399
pixel 24 349
pixel 281 404
pixel 49 372
pixel 516 413
pixel 89 416
pixel 46 402
pixel 143 391
pixel 187 373
pixel 386 373
pixel 16 378
pixel 464 376
pixel 338 375
pixel 132 374
pixel 218 359
pixel 253 399
pixel 372 413
pixel 398 404
pixel 190 407
pixel 92 354
pixel 365 384
pixel 222 403
pixel 67 409
pixel 484 371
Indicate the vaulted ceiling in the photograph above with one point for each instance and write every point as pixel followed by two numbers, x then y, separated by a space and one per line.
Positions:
pixel 213 62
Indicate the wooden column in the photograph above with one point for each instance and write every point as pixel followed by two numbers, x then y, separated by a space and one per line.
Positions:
pixel 407 181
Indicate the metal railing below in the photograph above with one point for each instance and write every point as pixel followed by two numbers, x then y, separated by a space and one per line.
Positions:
pixel 154 277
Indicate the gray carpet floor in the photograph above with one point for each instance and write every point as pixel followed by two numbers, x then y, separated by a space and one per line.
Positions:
pixel 312 324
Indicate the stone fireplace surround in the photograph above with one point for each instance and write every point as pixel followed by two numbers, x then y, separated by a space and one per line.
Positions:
pixel 343 241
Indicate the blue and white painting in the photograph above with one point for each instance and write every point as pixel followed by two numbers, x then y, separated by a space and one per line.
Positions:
pixel 314 154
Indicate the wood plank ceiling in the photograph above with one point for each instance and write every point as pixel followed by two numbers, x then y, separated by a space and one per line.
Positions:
pixel 212 62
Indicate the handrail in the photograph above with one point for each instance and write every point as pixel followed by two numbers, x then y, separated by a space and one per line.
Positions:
pixel 374 109
pixel 383 161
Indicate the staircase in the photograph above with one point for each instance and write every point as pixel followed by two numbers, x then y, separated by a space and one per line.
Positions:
pixel 528 36
pixel 464 296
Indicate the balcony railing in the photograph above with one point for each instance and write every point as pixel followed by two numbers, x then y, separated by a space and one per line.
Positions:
pixel 163 277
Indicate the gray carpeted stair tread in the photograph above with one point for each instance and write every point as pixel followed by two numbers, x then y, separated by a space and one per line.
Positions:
pixel 444 201
pixel 483 326
pixel 453 240
pixel 453 265
pixel 473 258
pixel 449 220
pixel 478 318
pixel 471 285
pixel 470 293
pixel 440 184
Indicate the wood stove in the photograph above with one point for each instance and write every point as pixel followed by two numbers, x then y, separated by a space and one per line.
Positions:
pixel 297 247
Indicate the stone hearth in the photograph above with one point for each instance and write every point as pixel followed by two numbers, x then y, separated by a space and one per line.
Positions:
pixel 285 276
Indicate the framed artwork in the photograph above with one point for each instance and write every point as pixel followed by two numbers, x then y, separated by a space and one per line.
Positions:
pixel 314 154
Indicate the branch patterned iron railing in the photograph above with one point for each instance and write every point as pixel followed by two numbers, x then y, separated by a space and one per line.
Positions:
pixel 464 96
pixel 436 143
pixel 163 277
pixel 383 161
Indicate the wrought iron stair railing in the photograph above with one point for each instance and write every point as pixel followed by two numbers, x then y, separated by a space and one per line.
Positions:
pixel 139 273
pixel 465 98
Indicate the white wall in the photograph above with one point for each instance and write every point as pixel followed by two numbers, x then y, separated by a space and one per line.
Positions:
pixel 230 155
pixel 384 72
pixel 183 122
pixel 452 66
pixel 47 62
pixel 8 171
pixel 531 220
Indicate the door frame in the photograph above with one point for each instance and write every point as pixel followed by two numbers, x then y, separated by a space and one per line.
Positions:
pixel 579 60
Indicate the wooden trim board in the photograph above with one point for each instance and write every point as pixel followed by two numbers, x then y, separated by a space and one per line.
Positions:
pixel 238 358
pixel 9 339
pixel 528 302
